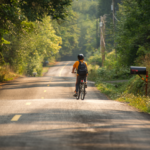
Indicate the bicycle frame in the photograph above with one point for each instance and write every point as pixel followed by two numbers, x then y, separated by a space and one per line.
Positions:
pixel 81 90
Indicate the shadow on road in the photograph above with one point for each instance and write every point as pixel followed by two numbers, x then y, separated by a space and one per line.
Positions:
pixel 94 130
pixel 55 82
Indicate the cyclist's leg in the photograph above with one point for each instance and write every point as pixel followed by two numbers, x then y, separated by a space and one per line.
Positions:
pixel 75 92
pixel 76 83
pixel 85 80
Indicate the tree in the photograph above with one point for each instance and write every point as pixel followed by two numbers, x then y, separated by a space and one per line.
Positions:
pixel 14 12
pixel 69 32
pixel 28 48
pixel 132 30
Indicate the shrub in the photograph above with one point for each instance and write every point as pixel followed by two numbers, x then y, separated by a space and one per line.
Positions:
pixel 95 60
pixel 6 74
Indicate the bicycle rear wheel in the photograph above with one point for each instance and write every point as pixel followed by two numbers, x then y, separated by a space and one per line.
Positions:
pixel 83 92
pixel 78 94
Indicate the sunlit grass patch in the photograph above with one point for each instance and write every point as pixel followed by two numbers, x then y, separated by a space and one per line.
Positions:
pixel 140 102
pixel 111 90
pixel 6 74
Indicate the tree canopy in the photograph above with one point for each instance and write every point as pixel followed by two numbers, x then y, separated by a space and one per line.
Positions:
pixel 13 12
pixel 133 30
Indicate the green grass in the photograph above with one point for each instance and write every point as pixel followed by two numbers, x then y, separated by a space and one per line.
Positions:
pixel 140 102
pixel 6 74
pixel 111 90
pixel 118 92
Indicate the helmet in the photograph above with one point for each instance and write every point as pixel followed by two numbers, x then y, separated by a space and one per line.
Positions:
pixel 80 56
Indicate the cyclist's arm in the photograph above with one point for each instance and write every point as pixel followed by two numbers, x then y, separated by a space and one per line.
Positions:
pixel 73 69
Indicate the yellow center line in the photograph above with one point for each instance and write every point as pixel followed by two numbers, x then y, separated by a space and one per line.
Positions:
pixel 47 85
pixel 16 118
pixel 28 103
pixel 63 68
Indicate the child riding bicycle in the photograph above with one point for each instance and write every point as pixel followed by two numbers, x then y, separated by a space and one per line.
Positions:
pixel 82 72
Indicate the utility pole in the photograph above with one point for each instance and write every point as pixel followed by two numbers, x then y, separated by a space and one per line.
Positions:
pixel 97 34
pixel 101 25
pixel 113 10
pixel 102 38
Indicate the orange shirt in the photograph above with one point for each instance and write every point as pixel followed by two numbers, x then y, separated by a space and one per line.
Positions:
pixel 76 64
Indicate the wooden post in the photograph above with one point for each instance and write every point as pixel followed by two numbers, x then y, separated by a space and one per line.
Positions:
pixel 101 32
pixel 102 39
pixel 97 34
pixel 113 6
pixel 146 86
pixel 104 46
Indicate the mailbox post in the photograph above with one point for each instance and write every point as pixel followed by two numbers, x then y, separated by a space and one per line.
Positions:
pixel 140 71
pixel 146 82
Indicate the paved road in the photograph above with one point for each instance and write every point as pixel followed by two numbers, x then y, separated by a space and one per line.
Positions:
pixel 39 113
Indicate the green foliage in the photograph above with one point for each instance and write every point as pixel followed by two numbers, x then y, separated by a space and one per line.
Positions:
pixel 112 70
pixel 36 9
pixel 135 86
pixel 113 74
pixel 6 73
pixel 105 7
pixel 133 31
pixel 69 32
pixel 1 59
pixel 87 13
pixel 111 90
pixel 14 13
pixel 95 59
pixel 111 61
pixel 78 31
pixel 34 42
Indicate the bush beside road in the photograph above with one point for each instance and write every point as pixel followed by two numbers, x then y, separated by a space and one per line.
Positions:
pixel 116 82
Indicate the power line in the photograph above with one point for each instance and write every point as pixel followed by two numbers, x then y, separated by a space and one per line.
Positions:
pixel 116 18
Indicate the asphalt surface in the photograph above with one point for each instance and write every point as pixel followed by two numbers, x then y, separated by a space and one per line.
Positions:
pixel 40 113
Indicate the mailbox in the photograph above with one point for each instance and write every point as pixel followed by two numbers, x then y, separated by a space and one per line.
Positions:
pixel 137 70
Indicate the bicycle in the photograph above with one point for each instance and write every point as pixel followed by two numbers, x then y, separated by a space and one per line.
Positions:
pixel 81 90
